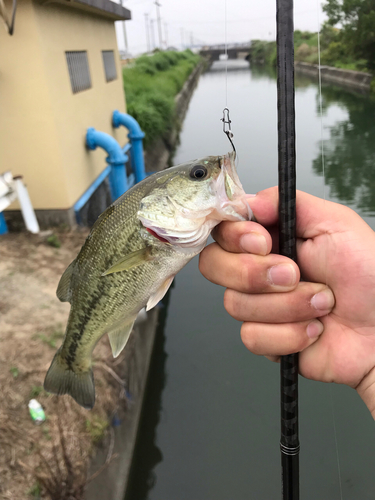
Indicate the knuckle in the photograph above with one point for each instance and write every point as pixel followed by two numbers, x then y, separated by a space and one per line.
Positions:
pixel 250 339
pixel 201 262
pixel 233 303
pixel 301 340
pixel 229 303
pixel 204 261
pixel 247 278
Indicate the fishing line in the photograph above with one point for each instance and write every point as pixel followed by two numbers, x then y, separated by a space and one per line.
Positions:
pixel 226 53
pixel 321 135
pixel 336 444
pixel 326 260
pixel 227 128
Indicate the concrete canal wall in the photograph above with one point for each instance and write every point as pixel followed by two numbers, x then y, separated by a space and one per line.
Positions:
pixel 112 482
pixel 348 78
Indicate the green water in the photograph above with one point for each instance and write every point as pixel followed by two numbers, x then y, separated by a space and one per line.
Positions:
pixel 210 426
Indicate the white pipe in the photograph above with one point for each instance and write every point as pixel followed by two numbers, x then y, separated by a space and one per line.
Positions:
pixel 26 206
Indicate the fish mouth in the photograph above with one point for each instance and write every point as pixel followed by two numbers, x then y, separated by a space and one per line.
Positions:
pixel 233 184
pixel 231 195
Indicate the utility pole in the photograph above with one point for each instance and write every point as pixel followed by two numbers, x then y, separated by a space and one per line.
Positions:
pixel 124 30
pixel 159 22
pixel 147 34
pixel 152 34
pixel 166 35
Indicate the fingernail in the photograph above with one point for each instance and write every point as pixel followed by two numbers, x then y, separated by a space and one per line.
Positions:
pixel 254 243
pixel 314 329
pixel 282 275
pixel 250 195
pixel 323 301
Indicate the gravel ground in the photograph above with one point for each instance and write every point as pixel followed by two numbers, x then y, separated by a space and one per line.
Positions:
pixel 48 460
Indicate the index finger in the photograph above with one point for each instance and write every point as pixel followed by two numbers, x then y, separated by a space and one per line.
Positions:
pixel 244 236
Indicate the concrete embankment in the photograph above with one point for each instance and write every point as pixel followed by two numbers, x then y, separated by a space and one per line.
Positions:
pixel 158 154
pixel 354 79
pixel 112 482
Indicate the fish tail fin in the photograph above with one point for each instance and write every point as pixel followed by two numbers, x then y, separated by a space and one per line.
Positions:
pixel 61 380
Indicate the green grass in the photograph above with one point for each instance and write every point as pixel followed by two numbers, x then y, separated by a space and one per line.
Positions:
pixel 14 371
pixel 96 428
pixel 54 241
pixel 333 51
pixel 151 84
pixel 35 391
pixel 35 491
pixel 51 339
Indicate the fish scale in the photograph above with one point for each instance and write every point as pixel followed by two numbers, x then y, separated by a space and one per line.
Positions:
pixel 129 260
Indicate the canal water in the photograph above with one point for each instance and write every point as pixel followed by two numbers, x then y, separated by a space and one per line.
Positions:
pixel 210 424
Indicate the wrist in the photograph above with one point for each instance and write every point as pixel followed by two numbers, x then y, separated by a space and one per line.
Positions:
pixel 366 390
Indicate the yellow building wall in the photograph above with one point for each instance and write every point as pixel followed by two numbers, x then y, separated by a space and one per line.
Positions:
pixel 42 123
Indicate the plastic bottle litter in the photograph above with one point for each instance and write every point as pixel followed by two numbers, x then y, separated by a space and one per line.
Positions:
pixel 36 411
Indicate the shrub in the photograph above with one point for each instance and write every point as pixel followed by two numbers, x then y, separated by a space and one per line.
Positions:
pixel 151 85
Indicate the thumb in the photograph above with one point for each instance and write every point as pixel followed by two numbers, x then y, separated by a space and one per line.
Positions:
pixel 314 215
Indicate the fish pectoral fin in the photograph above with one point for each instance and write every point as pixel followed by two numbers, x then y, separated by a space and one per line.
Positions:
pixel 63 291
pixel 159 294
pixel 132 260
pixel 119 335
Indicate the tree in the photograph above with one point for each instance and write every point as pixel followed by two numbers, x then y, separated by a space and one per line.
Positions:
pixel 357 21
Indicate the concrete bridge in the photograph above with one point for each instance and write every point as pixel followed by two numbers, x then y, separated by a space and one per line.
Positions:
pixel 234 50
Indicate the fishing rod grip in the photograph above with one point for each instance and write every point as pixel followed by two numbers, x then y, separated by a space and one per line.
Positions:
pixel 289 442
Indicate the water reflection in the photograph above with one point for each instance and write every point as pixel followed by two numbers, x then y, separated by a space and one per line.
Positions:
pixel 349 153
pixel 261 72
pixel 230 65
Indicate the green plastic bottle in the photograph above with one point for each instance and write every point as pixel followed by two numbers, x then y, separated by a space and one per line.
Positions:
pixel 36 411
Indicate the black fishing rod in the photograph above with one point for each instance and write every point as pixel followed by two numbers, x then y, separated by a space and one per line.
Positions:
pixel 289 443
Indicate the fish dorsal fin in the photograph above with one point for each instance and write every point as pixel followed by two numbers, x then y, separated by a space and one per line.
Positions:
pixel 119 334
pixel 159 294
pixel 63 291
pixel 132 260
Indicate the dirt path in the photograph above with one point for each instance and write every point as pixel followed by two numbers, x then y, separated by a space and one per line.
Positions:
pixel 53 455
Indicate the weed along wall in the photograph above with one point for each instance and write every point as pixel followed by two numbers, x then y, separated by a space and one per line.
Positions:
pixel 158 89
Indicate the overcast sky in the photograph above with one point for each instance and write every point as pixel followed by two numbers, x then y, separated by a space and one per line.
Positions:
pixel 204 21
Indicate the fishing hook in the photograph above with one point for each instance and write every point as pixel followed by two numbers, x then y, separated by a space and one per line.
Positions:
pixel 227 128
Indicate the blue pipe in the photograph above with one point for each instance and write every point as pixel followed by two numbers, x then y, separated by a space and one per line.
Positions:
pixel 116 159
pixel 3 224
pixel 135 135
pixel 88 193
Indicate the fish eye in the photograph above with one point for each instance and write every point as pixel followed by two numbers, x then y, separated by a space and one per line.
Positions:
pixel 198 172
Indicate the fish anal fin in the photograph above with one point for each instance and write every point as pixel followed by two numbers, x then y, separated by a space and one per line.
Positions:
pixel 156 297
pixel 132 260
pixel 79 385
pixel 63 291
pixel 119 334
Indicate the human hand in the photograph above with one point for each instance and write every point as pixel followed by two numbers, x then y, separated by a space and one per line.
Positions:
pixel 335 253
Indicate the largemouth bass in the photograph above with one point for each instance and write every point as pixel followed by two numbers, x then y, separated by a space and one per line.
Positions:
pixel 131 256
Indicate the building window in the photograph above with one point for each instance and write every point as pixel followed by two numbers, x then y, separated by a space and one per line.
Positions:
pixel 109 65
pixel 79 72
